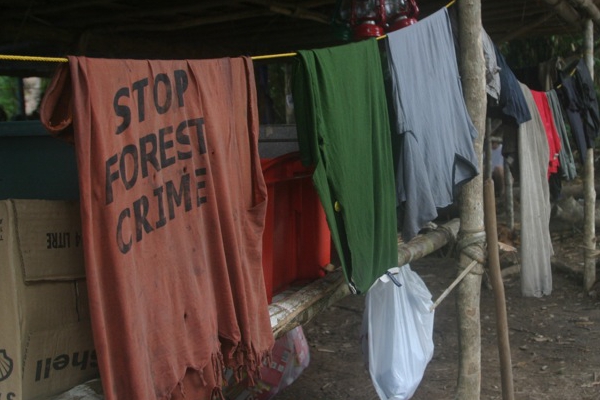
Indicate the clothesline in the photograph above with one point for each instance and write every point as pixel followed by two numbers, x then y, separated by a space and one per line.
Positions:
pixel 64 59
pixel 9 57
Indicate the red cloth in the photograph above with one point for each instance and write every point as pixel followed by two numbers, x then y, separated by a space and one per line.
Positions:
pixel 541 101
pixel 173 203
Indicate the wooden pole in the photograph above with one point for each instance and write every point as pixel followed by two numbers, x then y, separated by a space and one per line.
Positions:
pixel 566 11
pixel 509 197
pixel 453 285
pixel 590 9
pixel 491 232
pixel 303 305
pixel 471 235
pixel 589 233
pixel 422 245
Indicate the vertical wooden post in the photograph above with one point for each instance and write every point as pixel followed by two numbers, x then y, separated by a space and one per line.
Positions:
pixel 488 167
pixel 509 204
pixel 498 286
pixel 493 262
pixel 589 233
pixel 471 239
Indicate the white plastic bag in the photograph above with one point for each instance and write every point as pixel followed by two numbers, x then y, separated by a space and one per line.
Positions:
pixel 397 332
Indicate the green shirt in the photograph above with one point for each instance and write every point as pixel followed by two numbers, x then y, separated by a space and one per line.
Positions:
pixel 344 130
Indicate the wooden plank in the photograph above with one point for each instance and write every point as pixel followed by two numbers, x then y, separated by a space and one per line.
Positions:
pixel 306 303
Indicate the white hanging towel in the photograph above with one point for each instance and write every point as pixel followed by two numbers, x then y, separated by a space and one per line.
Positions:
pixel 536 244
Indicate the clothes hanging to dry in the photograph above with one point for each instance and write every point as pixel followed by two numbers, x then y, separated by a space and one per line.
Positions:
pixel 493 86
pixel 173 203
pixel 578 98
pixel 343 129
pixel 511 105
pixel 436 151
pixel 536 244
pixel 565 155
pixel 543 108
pixel 492 70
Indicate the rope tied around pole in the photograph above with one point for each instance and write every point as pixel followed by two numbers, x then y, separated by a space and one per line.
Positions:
pixel 591 252
pixel 474 245
pixel 451 245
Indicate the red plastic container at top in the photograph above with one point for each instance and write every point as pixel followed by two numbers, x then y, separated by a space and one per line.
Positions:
pixel 296 239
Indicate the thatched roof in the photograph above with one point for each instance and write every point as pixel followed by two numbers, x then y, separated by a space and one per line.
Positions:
pixel 203 29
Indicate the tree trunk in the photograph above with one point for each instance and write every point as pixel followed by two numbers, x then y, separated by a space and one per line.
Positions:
pixel 589 216
pixel 472 232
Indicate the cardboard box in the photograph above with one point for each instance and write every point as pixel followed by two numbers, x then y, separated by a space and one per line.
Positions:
pixel 46 344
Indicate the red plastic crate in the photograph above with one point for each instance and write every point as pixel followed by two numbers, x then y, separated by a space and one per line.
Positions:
pixel 296 239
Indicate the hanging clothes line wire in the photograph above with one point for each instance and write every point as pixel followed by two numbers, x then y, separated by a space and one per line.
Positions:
pixel 64 59
pixel 33 58
pixel 268 56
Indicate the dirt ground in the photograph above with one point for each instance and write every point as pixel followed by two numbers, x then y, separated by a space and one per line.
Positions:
pixel 554 340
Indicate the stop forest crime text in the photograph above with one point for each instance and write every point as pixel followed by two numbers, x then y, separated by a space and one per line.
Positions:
pixel 154 152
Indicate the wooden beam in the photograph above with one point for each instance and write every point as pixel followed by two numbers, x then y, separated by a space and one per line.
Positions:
pixel 589 209
pixel 523 30
pixel 189 23
pixel 292 10
pixel 270 8
pixel 25 11
pixel 566 12
pixel 135 14
pixel 491 229
pixel 317 3
pixel 23 32
pixel 589 8
pixel 303 305
pixel 425 244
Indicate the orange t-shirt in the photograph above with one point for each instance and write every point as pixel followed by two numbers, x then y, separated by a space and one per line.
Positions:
pixel 173 203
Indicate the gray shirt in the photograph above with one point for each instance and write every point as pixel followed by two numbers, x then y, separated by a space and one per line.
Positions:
pixel 436 152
